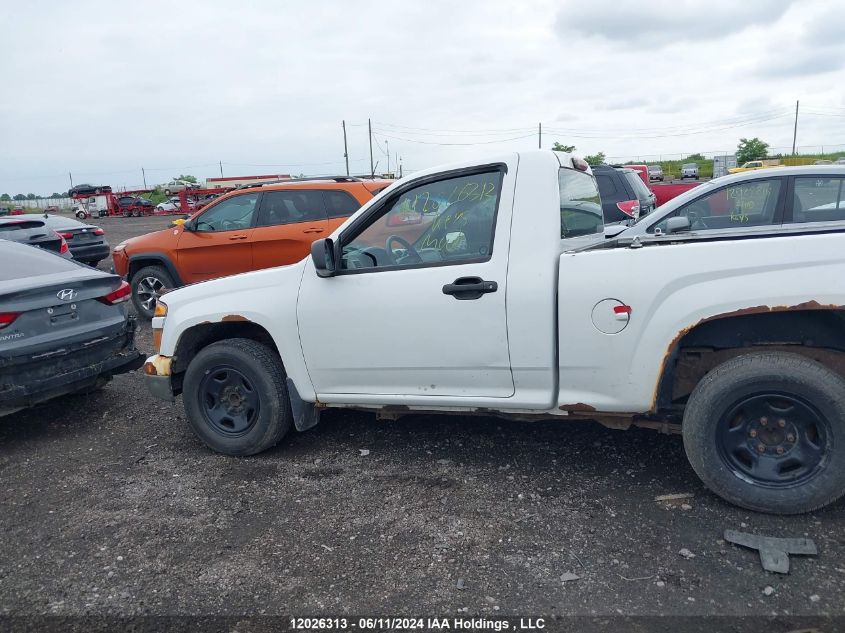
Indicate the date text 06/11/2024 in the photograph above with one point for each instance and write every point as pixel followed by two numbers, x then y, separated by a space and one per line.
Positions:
pixel 418 624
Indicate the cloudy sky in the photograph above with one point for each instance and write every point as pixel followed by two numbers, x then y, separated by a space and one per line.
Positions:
pixel 102 89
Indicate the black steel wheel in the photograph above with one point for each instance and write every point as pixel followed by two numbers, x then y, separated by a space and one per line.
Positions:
pixel 236 397
pixel 228 401
pixel 774 439
pixel 766 431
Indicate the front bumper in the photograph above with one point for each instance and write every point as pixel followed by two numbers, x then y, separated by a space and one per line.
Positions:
pixel 157 377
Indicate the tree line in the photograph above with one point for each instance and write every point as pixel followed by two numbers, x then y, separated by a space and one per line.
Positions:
pixel 5 197
pixel 747 149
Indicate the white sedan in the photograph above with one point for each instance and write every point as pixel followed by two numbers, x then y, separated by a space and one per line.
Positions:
pixel 166 207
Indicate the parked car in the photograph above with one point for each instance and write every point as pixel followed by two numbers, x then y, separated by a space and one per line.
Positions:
pixel 87 242
pixel 624 197
pixel 733 343
pixel 655 172
pixel 64 328
pixel 88 190
pixel 5 211
pixel 689 170
pixel 205 200
pixel 823 161
pixel 839 161
pixel 175 186
pixel 129 206
pixel 243 230
pixel 753 165
pixel 35 232
pixel 166 207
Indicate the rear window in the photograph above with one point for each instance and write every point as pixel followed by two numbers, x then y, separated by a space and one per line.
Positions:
pixel 19 226
pixel 637 185
pixel 580 204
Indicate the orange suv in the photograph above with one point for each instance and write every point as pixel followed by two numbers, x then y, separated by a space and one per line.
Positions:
pixel 246 229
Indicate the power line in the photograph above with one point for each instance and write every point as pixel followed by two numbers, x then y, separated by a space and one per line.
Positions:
pixel 670 131
pixel 415 131
pixel 625 135
pixel 418 131
pixel 333 162
pixel 502 140
pixel 383 151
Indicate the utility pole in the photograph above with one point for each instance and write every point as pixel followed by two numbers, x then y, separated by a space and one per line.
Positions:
pixel 795 129
pixel 345 151
pixel 387 148
pixel 370 128
pixel 144 176
pixel 221 168
pixel 400 166
pixel 71 179
pixel 540 136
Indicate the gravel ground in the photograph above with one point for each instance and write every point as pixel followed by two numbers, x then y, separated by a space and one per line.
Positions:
pixel 110 506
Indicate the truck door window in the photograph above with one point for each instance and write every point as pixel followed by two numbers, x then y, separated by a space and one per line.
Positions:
pixel 290 207
pixel 231 214
pixel 580 204
pixel 750 203
pixel 447 221
pixel 818 200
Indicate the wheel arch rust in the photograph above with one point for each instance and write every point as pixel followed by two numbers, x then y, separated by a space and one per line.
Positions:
pixel 665 377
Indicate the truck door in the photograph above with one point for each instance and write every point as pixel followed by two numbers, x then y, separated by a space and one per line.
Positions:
pixel 416 313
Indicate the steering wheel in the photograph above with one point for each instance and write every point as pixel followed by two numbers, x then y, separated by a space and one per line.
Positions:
pixel 410 250
pixel 695 221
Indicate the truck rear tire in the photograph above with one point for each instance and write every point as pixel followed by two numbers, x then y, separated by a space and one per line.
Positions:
pixel 766 431
pixel 147 285
pixel 236 398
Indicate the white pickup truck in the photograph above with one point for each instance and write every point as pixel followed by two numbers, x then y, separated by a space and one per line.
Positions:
pixel 494 288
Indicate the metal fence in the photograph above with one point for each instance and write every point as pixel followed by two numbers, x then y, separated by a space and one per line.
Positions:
pixel 812 151
pixel 41 203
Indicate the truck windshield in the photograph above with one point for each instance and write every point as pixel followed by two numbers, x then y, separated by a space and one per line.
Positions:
pixel 580 204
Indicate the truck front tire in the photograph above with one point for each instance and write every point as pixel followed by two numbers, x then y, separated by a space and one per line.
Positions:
pixel 766 431
pixel 236 398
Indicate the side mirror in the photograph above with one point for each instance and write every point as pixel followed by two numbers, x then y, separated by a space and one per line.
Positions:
pixel 612 230
pixel 323 255
pixel 188 225
pixel 678 224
